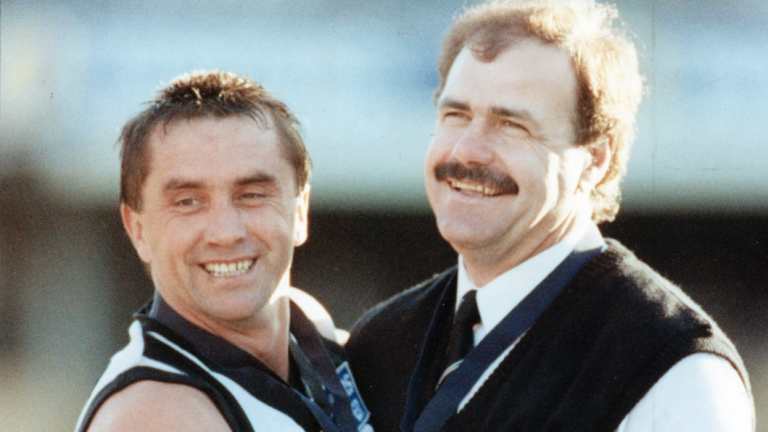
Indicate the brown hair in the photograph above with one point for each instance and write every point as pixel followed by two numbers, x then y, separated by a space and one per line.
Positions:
pixel 201 94
pixel 603 58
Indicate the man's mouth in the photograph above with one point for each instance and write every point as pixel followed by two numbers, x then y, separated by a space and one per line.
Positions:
pixel 228 269
pixel 465 186
pixel 475 180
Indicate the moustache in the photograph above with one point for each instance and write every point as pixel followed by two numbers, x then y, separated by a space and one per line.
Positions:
pixel 478 174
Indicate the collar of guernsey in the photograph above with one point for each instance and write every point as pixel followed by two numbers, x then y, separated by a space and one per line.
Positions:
pixel 325 396
pixel 430 416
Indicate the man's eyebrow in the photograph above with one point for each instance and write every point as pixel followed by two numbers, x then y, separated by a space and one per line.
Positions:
pixel 452 103
pixel 177 184
pixel 180 183
pixel 258 178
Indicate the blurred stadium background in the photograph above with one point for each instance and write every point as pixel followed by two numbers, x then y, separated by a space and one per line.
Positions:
pixel 359 74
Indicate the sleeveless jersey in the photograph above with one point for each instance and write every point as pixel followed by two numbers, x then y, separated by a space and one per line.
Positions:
pixel 256 400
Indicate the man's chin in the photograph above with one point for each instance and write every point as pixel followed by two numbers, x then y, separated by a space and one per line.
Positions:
pixel 235 306
pixel 465 239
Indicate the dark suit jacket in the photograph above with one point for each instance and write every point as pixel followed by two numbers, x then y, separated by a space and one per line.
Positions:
pixel 591 356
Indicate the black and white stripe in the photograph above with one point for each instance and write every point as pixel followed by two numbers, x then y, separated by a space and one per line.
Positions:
pixel 151 355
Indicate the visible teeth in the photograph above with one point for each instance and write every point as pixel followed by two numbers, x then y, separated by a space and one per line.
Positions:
pixel 473 187
pixel 229 269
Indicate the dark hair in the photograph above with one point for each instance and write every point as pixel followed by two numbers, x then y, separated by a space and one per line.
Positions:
pixel 604 60
pixel 201 94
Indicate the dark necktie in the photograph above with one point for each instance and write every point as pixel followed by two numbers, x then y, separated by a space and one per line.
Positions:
pixel 460 340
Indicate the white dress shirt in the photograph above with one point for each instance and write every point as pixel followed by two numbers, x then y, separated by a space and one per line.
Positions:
pixel 701 393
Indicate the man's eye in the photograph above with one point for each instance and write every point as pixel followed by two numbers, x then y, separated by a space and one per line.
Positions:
pixel 512 125
pixel 454 114
pixel 455 117
pixel 186 202
pixel 251 196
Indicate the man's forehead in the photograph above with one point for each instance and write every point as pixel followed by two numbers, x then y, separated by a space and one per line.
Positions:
pixel 217 149
pixel 529 80
pixel 519 56
pixel 170 126
pixel 190 136
pixel 527 69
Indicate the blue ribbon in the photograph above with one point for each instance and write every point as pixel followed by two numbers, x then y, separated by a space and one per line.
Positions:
pixel 457 385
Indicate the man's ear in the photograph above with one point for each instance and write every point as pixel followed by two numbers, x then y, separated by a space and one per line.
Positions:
pixel 598 162
pixel 301 217
pixel 134 227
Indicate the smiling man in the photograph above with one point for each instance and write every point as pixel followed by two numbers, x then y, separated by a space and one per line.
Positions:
pixel 543 325
pixel 214 197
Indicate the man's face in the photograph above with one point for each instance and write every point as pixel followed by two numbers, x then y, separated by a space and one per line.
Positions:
pixel 502 170
pixel 220 217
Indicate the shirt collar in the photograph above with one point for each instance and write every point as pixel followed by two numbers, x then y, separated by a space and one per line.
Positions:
pixel 208 345
pixel 502 294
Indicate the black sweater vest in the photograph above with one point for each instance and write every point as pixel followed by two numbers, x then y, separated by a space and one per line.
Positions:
pixel 591 356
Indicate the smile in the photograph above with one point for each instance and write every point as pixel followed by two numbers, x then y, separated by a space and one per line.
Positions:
pixel 475 180
pixel 228 269
pixel 479 188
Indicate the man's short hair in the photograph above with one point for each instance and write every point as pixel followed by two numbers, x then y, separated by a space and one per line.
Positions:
pixel 205 94
pixel 604 60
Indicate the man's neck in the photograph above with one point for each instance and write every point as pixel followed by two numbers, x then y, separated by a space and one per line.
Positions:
pixel 268 340
pixel 482 268
pixel 265 336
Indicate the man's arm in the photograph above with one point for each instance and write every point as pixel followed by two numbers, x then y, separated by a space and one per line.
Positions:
pixel 155 406
pixel 701 393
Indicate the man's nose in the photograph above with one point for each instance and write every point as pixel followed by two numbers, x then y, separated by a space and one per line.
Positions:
pixel 225 225
pixel 472 146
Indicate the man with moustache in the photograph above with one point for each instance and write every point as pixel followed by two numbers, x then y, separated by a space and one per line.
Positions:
pixel 543 325
pixel 214 197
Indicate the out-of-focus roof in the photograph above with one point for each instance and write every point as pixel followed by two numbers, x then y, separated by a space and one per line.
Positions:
pixel 360 77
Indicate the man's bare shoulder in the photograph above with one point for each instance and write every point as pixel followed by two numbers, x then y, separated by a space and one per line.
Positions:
pixel 158 406
pixel 318 314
